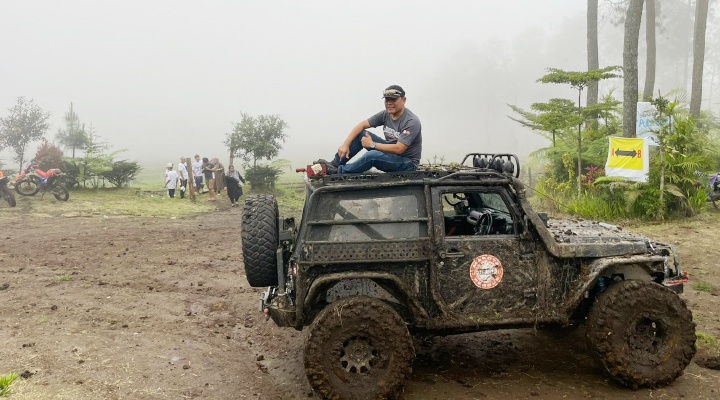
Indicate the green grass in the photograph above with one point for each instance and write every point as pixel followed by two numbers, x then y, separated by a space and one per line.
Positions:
pixel 64 278
pixel 708 341
pixel 5 382
pixel 702 286
pixel 107 203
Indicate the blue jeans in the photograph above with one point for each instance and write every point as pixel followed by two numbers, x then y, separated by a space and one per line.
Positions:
pixel 373 158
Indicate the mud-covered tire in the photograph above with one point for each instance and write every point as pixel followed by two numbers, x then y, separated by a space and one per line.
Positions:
pixel 641 333
pixel 9 196
pixel 260 240
pixel 358 348
pixel 27 187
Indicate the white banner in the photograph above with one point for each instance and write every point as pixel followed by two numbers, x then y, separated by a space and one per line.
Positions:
pixel 646 123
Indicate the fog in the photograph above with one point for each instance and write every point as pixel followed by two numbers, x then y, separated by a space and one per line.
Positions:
pixel 167 78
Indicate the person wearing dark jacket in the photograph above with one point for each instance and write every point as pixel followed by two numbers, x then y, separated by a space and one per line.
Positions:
pixel 234 183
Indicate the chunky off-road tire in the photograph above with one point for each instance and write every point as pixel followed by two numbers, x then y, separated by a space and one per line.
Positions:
pixel 9 196
pixel 27 187
pixel 358 348
pixel 60 193
pixel 260 240
pixel 641 333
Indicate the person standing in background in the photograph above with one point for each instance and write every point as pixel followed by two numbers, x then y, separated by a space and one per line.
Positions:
pixel 197 169
pixel 219 175
pixel 171 178
pixel 207 169
pixel 183 175
pixel 234 183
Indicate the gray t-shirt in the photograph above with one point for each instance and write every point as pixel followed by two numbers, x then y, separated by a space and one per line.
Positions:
pixel 405 130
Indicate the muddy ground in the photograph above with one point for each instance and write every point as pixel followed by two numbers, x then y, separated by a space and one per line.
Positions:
pixel 149 308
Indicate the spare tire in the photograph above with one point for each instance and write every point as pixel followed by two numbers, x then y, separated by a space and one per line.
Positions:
pixel 260 240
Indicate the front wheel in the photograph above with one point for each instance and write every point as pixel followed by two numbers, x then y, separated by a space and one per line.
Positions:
pixel 27 187
pixel 60 193
pixel 9 196
pixel 358 348
pixel 641 333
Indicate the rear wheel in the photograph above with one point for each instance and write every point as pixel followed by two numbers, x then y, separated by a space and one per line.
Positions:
pixel 27 187
pixel 260 240
pixel 641 333
pixel 60 193
pixel 358 348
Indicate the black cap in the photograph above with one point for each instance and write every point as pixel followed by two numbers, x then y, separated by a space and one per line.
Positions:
pixel 393 92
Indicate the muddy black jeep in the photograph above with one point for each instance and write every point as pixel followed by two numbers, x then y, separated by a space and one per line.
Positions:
pixel 378 258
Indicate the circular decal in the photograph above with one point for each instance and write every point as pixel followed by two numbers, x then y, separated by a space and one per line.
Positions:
pixel 486 271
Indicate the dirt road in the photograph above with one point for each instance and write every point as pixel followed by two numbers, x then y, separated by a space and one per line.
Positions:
pixel 147 308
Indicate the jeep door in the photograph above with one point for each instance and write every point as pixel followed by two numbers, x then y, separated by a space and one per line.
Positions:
pixel 485 270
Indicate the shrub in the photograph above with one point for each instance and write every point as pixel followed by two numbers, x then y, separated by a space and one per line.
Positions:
pixel 122 172
pixel 49 156
pixel 262 177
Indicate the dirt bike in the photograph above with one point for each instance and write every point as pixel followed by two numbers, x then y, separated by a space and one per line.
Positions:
pixel 50 184
pixel 5 192
pixel 29 181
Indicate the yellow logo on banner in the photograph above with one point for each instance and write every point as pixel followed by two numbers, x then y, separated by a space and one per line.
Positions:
pixel 626 154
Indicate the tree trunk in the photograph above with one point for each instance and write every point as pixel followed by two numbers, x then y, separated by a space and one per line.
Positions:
pixel 650 40
pixel 592 49
pixel 232 154
pixel 701 11
pixel 630 67
pixel 579 171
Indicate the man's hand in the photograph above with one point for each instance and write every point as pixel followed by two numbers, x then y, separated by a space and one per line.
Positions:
pixel 344 151
pixel 366 141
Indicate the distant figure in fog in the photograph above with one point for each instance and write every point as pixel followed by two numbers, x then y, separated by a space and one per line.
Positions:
pixel 234 183
pixel 183 175
pixel 207 169
pixel 171 178
pixel 197 169
pixel 219 174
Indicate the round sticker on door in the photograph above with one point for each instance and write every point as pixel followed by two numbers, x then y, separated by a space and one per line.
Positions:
pixel 486 271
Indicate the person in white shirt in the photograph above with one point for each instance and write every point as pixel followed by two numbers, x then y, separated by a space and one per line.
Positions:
pixel 197 169
pixel 182 170
pixel 171 179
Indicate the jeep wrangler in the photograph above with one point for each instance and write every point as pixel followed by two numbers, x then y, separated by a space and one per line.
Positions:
pixel 378 258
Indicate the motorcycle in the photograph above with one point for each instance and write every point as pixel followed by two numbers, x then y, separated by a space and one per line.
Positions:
pixel 714 192
pixel 713 188
pixel 5 192
pixel 51 184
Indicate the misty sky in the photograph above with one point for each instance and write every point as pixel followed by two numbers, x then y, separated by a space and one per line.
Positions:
pixel 166 78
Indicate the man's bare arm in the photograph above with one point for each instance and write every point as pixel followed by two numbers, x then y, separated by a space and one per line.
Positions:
pixel 395 148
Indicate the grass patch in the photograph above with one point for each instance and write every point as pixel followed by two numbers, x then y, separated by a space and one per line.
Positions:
pixel 64 278
pixel 108 202
pixel 701 271
pixel 5 382
pixel 702 286
pixel 708 341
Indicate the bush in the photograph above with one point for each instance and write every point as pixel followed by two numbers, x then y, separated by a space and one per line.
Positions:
pixel 262 177
pixel 49 156
pixel 122 172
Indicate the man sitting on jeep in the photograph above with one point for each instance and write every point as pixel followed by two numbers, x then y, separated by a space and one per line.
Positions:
pixel 400 149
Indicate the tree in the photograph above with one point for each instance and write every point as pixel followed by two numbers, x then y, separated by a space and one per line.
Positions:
pixel 592 49
pixel 74 136
pixel 701 12
pixel 630 66
pixel 579 81
pixel 651 49
pixel 551 117
pixel 26 123
pixel 256 138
